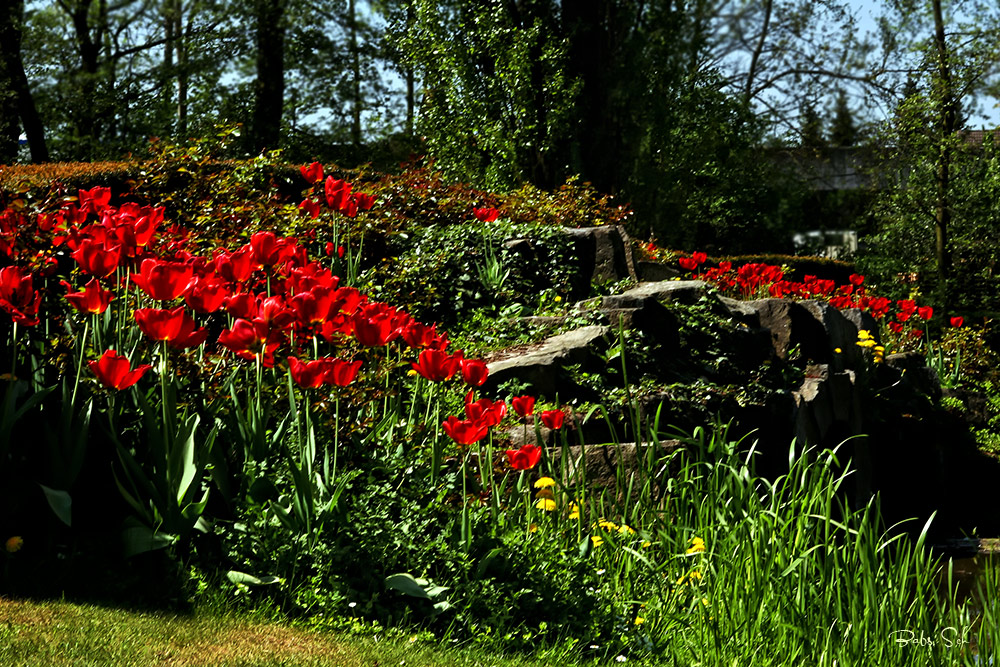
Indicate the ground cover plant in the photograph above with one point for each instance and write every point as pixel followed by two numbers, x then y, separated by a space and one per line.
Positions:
pixel 220 400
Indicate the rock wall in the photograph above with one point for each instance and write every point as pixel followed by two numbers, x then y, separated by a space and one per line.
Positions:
pixel 884 416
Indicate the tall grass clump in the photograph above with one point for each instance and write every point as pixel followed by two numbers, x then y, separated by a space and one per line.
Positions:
pixel 731 568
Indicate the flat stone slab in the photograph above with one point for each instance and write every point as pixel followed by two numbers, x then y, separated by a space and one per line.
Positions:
pixel 539 365
pixel 669 291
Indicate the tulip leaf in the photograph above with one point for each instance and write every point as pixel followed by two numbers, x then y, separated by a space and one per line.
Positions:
pixel 408 584
pixel 238 577
pixel 61 504
pixel 139 539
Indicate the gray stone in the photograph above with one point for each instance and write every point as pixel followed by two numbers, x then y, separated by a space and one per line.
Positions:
pixel 539 365
pixel 598 466
pixel 605 255
pixel 666 291
pixel 652 272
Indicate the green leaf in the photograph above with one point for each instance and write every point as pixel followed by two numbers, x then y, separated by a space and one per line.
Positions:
pixel 238 577
pixel 408 584
pixel 61 504
pixel 139 539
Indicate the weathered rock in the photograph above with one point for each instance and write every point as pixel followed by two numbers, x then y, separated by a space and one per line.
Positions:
pixel 605 255
pixel 546 320
pixel 915 373
pixel 666 291
pixel 540 366
pixel 651 317
pixel 598 466
pixel 652 272
pixel 841 334
pixel 791 325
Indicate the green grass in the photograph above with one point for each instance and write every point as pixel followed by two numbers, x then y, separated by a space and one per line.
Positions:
pixel 65 633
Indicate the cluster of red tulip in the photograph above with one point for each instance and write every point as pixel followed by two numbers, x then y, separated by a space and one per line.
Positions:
pixel 754 279
pixel 337 193
pixel 268 291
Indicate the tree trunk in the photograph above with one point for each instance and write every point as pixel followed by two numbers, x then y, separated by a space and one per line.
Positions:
pixel 589 25
pixel 947 121
pixel 410 97
pixel 352 26
pixel 16 100
pixel 269 88
pixel 183 74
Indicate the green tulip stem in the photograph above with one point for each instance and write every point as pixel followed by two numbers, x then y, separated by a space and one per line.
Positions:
pixel 79 360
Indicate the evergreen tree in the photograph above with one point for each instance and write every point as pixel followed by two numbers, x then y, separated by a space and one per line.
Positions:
pixel 843 130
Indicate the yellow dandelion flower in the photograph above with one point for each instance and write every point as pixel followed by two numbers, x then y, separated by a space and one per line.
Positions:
pixel 704 602
pixel 411 373
pixel 574 511
pixel 626 530
pixel 557 299
pixel 695 576
pixel 14 544
pixel 544 483
pixel 838 350
pixel 697 546
pixel 606 525
pixel 868 342
pixel 597 540
pixel 639 620
pixel 682 580
pixel 545 504
pixel 864 334
pixel 533 528
pixel 646 544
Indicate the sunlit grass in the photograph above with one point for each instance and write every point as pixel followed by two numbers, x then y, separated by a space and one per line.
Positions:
pixel 65 633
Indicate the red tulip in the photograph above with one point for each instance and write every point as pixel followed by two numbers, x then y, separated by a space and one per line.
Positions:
pixel 18 296
pixel 487 214
pixel 313 173
pixel 525 458
pixel 418 335
pixel 364 201
pixel 553 418
pixel 207 295
pixel 189 335
pixel 485 411
pixel 242 337
pixel 237 266
pixel 267 248
pixel 957 321
pixel 92 299
pixel 312 307
pixel 337 191
pixel 342 373
pixel 436 365
pixel 474 372
pixel 96 199
pixel 162 280
pixel 523 405
pixel 688 263
pixel 163 324
pixel 112 369
pixel 464 431
pixel 311 207
pixel 273 313
pixel 310 374
pixel 377 324
pixel 925 312
pixel 95 259
pixel 907 308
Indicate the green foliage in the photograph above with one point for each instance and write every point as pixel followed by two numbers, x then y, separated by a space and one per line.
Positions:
pixel 497 96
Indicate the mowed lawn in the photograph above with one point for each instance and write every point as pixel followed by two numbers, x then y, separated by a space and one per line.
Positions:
pixel 64 633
